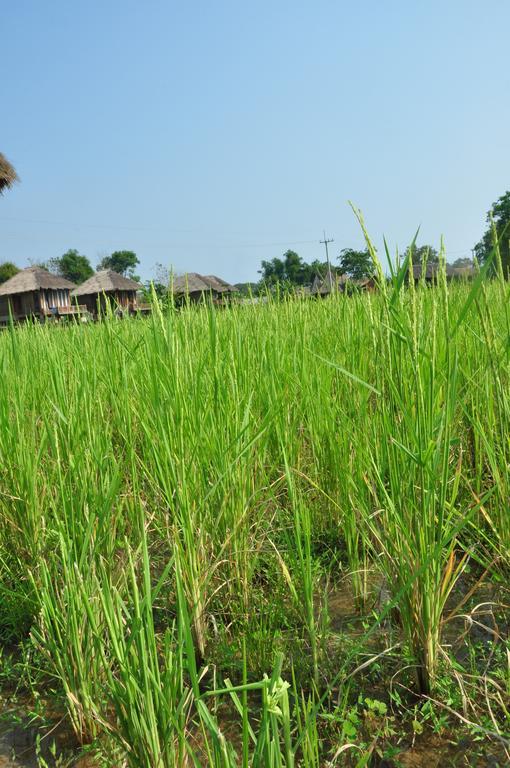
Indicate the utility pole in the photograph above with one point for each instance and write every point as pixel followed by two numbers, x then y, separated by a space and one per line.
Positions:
pixel 325 243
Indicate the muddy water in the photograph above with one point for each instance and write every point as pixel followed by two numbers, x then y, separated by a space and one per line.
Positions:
pixel 22 739
pixel 434 751
pixel 488 622
pixel 18 746
pixel 19 736
pixel 478 611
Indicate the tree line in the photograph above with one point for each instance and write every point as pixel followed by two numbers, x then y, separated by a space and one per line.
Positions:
pixel 356 264
pixel 290 269
pixel 76 267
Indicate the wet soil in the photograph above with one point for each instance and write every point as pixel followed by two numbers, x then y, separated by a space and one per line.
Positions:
pixel 477 613
pixel 434 751
pixel 23 738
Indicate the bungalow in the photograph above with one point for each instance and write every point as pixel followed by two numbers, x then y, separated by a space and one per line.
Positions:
pixel 431 273
pixel 107 288
pixel 35 293
pixel 195 287
pixel 331 283
pixel 366 284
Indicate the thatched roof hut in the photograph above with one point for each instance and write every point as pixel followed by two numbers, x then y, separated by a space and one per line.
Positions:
pixel 105 287
pixel 432 272
pixel 35 292
pixel 34 279
pixel 8 175
pixel 219 285
pixel 190 283
pixel 323 286
pixel 106 281
pixel 195 286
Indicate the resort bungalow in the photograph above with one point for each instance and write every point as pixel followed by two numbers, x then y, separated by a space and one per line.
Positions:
pixel 431 273
pixel 36 293
pixel 107 288
pixel 195 287
pixel 331 283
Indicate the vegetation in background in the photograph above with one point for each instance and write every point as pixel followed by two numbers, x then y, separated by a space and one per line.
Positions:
pixel 419 253
pixel 462 262
pixel 7 270
pixel 123 262
pixel 356 264
pixel 290 270
pixel 247 289
pixel 71 265
pixel 498 217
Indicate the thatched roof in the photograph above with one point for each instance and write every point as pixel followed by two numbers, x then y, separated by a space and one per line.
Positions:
pixel 218 284
pixel 432 271
pixel 107 281
pixel 324 285
pixel 33 279
pixel 468 271
pixel 192 282
pixel 189 283
pixel 7 174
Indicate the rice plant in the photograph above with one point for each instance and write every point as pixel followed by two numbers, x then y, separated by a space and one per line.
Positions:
pixel 182 495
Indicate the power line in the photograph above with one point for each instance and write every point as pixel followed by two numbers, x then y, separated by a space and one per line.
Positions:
pixel 135 228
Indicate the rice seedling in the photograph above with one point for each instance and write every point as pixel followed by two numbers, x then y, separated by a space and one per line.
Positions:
pixel 179 493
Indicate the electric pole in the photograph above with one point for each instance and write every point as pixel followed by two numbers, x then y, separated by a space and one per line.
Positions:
pixel 325 243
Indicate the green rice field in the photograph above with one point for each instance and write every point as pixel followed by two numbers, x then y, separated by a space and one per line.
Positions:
pixel 269 535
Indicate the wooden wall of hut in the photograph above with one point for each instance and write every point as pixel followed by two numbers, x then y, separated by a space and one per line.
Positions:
pixel 19 305
pixel 54 297
pixel 114 299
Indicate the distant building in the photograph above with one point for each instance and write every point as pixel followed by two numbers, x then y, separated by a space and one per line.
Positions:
pixel 107 288
pixel 366 284
pixel 431 273
pixel 194 287
pixel 35 293
pixel 332 282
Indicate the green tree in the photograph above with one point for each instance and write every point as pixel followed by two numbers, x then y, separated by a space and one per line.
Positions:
pixel 290 270
pixel 160 283
pixel 421 252
pixel 315 269
pixel 357 264
pixel 462 263
pixel 500 215
pixel 7 270
pixel 71 265
pixel 293 266
pixel 271 271
pixel 123 262
pixel 247 289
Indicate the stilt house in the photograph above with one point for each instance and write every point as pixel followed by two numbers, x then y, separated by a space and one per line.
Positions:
pixel 331 283
pixel 107 288
pixel 35 293
pixel 195 287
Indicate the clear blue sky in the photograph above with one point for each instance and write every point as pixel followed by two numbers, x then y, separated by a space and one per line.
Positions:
pixel 211 135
